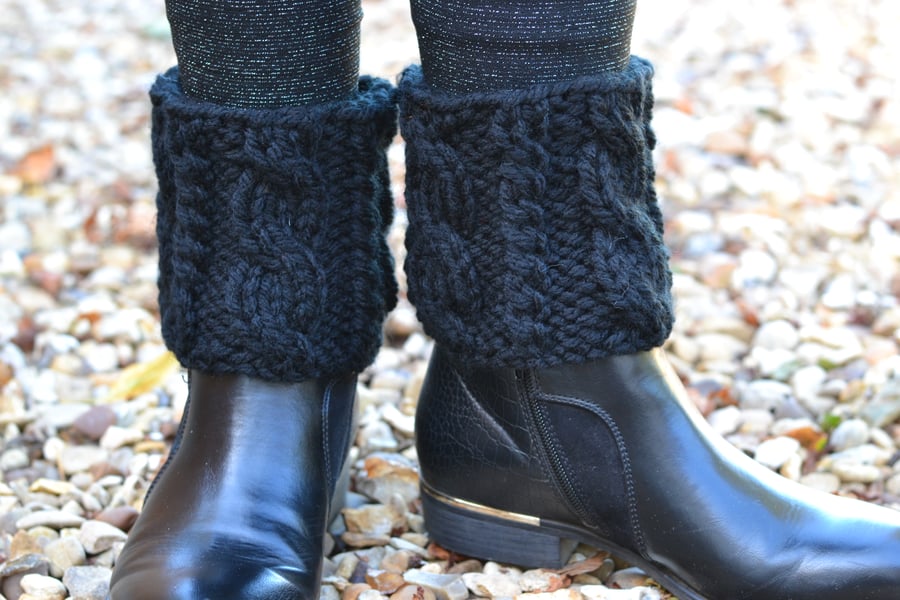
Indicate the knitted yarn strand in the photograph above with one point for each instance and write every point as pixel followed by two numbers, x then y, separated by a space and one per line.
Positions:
pixel 271 225
pixel 535 237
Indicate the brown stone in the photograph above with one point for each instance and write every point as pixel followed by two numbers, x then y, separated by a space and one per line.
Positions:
pixel 95 422
pixel 122 517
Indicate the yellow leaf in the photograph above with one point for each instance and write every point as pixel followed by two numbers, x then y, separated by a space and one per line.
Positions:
pixel 140 378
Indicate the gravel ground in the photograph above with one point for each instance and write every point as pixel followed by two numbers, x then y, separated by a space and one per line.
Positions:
pixel 779 128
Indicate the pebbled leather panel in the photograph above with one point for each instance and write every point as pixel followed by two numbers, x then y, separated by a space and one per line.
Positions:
pixel 475 441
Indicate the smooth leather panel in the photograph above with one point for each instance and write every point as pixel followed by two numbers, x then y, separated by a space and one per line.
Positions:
pixel 240 510
pixel 707 510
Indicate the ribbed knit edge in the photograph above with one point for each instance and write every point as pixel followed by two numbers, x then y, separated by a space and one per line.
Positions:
pixel 534 234
pixel 271 223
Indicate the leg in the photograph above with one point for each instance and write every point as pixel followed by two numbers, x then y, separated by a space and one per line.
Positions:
pixel 266 53
pixel 549 415
pixel 274 280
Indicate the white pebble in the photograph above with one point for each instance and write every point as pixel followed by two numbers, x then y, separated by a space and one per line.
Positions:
pixel 775 452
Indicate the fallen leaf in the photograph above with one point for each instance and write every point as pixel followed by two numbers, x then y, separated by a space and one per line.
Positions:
pixel 37 166
pixel 809 438
pixel 592 563
pixel 141 378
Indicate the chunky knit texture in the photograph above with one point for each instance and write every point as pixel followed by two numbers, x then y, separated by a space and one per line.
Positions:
pixel 534 233
pixel 271 230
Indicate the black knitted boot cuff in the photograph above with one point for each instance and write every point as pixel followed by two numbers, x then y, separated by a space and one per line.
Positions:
pixel 272 259
pixel 534 233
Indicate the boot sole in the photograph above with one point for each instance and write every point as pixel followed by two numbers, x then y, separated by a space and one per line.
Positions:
pixel 476 530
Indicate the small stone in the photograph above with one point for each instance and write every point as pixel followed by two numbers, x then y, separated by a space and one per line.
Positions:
pixel 53 447
pixel 493 585
pixel 95 421
pixel 764 394
pixel 413 592
pixel 116 437
pixel 346 565
pixel 467 566
pixel 725 420
pixel 776 335
pixel 628 578
pixel 375 519
pixel 386 582
pixel 387 475
pixel 64 553
pixel 892 485
pixel 881 413
pixel 28 563
pixel 120 517
pixel 600 592
pixel 55 519
pixel 97 536
pixel 824 482
pixel 41 587
pixel 853 472
pixel 444 587
pixel 87 583
pixel 567 594
pixel 400 561
pixel 75 459
pixel 807 382
pixel 541 580
pixel 328 592
pixel 13 458
pixel 21 544
pixel 849 434
pixel 354 591
pixel 51 486
pixel 775 452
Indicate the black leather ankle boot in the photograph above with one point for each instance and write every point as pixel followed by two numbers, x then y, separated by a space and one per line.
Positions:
pixel 240 508
pixel 536 261
pixel 274 281
pixel 519 465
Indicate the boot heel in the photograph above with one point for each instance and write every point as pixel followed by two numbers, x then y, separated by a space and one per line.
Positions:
pixel 473 530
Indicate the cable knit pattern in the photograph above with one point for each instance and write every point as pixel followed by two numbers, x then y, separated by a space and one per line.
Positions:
pixel 534 233
pixel 271 230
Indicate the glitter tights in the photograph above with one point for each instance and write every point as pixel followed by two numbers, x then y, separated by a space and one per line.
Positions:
pixel 266 53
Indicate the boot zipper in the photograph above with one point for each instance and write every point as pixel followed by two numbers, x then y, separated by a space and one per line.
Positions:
pixel 557 462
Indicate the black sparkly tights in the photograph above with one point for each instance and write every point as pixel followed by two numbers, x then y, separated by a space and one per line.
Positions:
pixel 267 53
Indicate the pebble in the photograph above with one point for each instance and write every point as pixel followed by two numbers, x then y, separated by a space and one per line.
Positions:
pixel 599 592
pixel 824 482
pixel 55 519
pixel 494 585
pixel 849 434
pixel 784 246
pixel 75 459
pixel 775 452
pixel 567 594
pixel 95 421
pixel 444 587
pixel 853 472
pixel 725 420
pixel 97 536
pixel 87 582
pixel 40 587
pixel 64 553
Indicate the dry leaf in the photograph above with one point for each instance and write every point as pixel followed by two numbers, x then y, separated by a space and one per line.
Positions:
pixel 141 378
pixel 809 438
pixel 587 565
pixel 38 166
